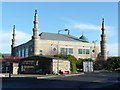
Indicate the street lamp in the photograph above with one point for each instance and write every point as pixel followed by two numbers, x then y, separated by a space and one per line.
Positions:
pixel 64 30
pixel 58 47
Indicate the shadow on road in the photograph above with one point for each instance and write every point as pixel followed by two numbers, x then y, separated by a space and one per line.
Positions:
pixel 27 83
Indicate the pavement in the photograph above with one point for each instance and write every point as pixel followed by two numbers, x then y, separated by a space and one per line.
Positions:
pixel 38 76
pixel 44 76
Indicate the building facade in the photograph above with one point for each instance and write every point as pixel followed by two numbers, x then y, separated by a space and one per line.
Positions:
pixel 49 44
pixel 44 65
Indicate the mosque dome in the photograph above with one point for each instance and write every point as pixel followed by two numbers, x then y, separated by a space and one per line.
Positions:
pixel 83 38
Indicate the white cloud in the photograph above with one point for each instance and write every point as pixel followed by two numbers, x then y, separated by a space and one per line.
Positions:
pixel 22 37
pixel 84 26
pixel 6 37
pixel 110 30
pixel 113 49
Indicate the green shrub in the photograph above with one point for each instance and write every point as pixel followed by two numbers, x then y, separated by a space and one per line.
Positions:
pixel 100 65
pixel 113 63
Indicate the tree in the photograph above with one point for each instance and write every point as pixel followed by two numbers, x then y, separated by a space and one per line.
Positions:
pixel 113 63
pixel 100 65
pixel 79 63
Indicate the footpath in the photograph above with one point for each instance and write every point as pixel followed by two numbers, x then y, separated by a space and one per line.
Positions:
pixel 38 76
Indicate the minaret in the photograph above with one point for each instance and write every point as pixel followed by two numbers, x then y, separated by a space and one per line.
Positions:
pixel 13 42
pixel 35 36
pixel 103 43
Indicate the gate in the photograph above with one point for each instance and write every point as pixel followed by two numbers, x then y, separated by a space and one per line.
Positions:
pixel 88 66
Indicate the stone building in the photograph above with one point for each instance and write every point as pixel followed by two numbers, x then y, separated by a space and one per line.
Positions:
pixel 49 44
pixel 44 65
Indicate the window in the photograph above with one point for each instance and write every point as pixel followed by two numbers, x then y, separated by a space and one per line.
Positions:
pixel 83 51
pixel 31 49
pixel 87 51
pixel 54 49
pixel 19 53
pixel 79 51
pixel 62 50
pixel 22 52
pixel 70 51
pixel 66 50
pixel 26 52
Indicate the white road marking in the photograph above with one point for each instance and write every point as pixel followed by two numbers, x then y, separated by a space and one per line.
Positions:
pixel 46 77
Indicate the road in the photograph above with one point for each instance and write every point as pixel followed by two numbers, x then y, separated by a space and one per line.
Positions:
pixel 86 81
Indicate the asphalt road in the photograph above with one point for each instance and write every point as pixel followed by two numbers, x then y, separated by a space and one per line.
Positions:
pixel 86 81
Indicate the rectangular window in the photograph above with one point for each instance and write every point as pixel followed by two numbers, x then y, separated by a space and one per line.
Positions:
pixel 22 52
pixel 70 51
pixel 66 50
pixel 31 48
pixel 19 53
pixel 26 52
pixel 87 51
pixel 83 51
pixel 62 50
pixel 80 51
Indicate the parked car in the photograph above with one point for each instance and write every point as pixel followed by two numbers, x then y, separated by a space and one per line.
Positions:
pixel 64 72
pixel 79 70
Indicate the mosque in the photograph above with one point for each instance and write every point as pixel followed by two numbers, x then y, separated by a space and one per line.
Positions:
pixel 50 44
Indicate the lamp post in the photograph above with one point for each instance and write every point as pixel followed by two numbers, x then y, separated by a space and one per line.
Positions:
pixel 58 47
pixel 64 30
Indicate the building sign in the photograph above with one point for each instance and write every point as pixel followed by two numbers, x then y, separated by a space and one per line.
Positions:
pixel 88 66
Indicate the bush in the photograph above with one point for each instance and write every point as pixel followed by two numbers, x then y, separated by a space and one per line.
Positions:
pixel 100 65
pixel 73 61
pixel 113 63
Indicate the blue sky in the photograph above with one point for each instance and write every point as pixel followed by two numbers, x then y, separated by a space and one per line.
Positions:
pixel 77 17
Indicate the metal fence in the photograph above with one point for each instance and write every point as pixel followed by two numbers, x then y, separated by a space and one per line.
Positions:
pixel 88 66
